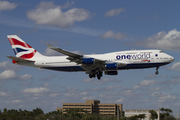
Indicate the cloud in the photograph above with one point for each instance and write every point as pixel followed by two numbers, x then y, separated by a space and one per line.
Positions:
pixel 48 14
pixel 25 77
pixel 48 78
pixel 83 93
pixel 16 101
pixel 102 81
pixel 88 98
pixel 4 93
pixel 5 5
pixel 163 97
pixel 54 94
pixel 144 83
pixel 112 87
pixel 10 74
pixel 36 90
pixel 176 66
pixel 147 82
pixel 163 40
pixel 50 52
pixel 114 12
pixel 119 100
pixel 5 65
pixel 87 80
pixel 110 34
pixel 68 4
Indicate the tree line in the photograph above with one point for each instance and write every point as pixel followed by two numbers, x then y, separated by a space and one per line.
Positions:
pixel 76 114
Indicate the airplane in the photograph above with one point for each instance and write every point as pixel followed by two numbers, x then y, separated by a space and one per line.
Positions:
pixel 94 64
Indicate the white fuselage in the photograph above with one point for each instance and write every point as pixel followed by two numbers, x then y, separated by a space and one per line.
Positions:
pixel 134 59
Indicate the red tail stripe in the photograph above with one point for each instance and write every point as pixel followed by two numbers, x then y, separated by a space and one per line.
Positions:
pixel 28 56
pixel 14 41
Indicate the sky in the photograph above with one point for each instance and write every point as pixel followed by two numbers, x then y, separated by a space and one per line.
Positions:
pixel 90 27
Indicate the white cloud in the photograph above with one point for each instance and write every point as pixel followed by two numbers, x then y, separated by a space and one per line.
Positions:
pixel 88 98
pixel 105 80
pixel 36 90
pixel 66 5
pixel 147 82
pixel 119 100
pixel 83 93
pixel 69 94
pixel 16 101
pixel 10 74
pixel 4 93
pixel 50 52
pixel 163 40
pixel 54 94
pixel 7 65
pixel 166 97
pixel 144 83
pixel 5 5
pixel 87 80
pixel 136 87
pixel 112 35
pixel 176 66
pixel 114 12
pixel 49 14
pixel 25 77
pixel 112 87
pixel 163 97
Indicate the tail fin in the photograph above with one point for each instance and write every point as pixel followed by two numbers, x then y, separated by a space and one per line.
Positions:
pixel 21 48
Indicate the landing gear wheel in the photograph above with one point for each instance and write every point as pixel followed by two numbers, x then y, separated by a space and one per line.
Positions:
pixel 156 72
pixel 99 75
pixel 90 76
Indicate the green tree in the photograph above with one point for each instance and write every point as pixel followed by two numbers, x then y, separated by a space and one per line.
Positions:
pixel 154 115
pixel 166 114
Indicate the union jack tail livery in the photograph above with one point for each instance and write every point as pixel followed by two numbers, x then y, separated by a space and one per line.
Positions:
pixel 94 65
pixel 22 49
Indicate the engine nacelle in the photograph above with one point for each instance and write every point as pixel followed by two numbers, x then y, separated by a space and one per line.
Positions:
pixel 111 66
pixel 111 72
pixel 88 61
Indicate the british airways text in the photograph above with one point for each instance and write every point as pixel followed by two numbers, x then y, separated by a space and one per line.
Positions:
pixel 135 56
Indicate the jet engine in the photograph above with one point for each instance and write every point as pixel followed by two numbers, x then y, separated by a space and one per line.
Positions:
pixel 88 61
pixel 111 66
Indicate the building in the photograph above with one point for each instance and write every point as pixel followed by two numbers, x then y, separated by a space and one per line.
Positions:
pixel 129 113
pixel 94 106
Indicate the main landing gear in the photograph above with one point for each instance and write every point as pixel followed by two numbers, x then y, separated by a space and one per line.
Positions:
pixel 98 74
pixel 157 71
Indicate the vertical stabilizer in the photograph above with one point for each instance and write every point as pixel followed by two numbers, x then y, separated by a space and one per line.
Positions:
pixel 21 48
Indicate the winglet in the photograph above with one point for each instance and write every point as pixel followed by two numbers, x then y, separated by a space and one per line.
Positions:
pixel 50 46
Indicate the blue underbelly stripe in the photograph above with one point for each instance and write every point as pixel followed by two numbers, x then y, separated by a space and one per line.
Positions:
pixel 128 66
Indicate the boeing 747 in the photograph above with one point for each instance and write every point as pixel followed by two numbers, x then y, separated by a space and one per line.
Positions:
pixel 94 65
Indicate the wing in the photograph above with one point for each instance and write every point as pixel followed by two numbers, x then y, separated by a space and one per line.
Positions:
pixel 70 54
pixel 74 57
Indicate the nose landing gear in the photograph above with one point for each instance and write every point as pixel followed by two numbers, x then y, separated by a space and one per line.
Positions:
pixel 157 72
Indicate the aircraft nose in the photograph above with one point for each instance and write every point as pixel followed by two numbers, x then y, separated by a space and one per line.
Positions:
pixel 171 59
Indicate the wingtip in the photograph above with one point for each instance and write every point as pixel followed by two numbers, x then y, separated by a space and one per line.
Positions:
pixel 49 46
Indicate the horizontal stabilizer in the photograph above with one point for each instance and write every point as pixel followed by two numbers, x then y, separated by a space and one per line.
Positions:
pixel 19 59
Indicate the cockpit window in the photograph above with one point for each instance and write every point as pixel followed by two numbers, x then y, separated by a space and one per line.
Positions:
pixel 161 52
